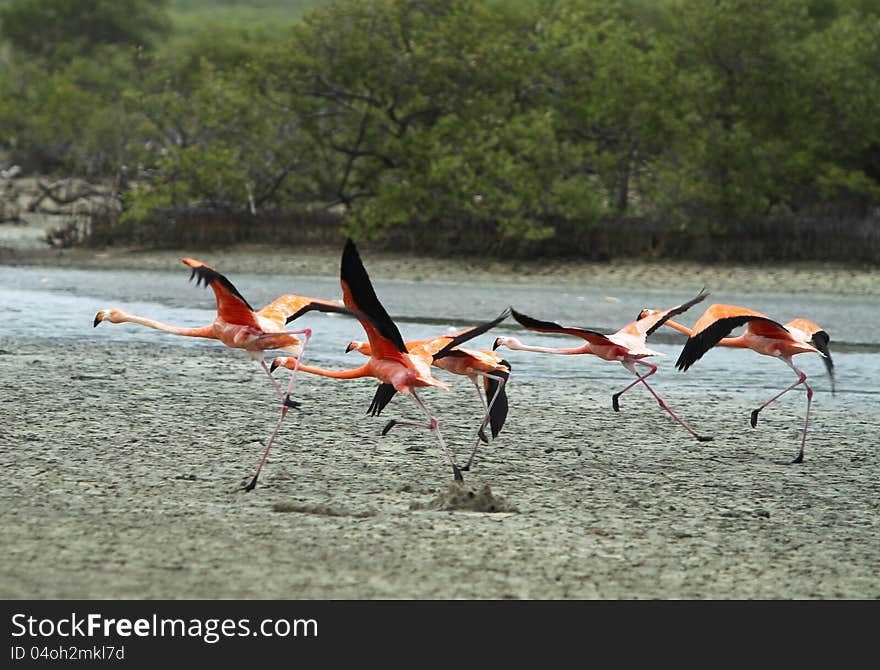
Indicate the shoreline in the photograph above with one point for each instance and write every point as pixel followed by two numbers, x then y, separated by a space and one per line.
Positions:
pixel 796 278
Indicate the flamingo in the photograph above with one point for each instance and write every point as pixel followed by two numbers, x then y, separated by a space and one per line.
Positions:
pixel 398 370
pixel 764 336
pixel 239 326
pixel 475 364
pixel 626 346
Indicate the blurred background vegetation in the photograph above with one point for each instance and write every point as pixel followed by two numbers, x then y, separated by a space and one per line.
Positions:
pixel 708 129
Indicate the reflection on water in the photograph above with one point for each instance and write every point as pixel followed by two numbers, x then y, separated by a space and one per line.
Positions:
pixel 48 302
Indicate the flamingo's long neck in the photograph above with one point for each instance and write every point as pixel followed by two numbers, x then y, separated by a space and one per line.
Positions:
pixel 203 331
pixel 738 341
pixel 336 374
pixel 513 343
pixel 680 328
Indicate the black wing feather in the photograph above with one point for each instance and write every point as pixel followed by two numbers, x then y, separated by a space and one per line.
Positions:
pixel 498 413
pixel 675 311
pixel 470 334
pixel 325 307
pixel 699 344
pixel 384 394
pixel 207 276
pixel 354 274
pixel 537 324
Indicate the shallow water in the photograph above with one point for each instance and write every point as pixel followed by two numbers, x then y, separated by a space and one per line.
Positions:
pixel 62 302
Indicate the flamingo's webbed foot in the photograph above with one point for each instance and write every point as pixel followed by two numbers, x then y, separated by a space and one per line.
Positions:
pixel 290 402
pixel 615 403
pixel 704 438
pixel 482 435
pixel 388 426
pixel 251 486
pixel 798 459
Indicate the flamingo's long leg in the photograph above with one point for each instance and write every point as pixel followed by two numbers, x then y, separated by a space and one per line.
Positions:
pixel 629 365
pixel 435 427
pixel 285 398
pixel 278 390
pixel 481 436
pixel 253 482
pixel 286 403
pixel 481 432
pixel 802 379
pixel 307 335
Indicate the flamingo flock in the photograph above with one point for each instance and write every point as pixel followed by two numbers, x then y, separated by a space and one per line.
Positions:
pixel 402 367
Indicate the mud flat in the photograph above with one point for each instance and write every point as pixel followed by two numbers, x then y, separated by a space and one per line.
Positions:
pixel 123 465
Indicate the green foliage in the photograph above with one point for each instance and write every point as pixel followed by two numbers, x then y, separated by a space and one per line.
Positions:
pixel 57 30
pixel 67 120
pixel 511 120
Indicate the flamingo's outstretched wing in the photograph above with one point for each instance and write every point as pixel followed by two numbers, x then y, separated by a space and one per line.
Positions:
pixel 470 333
pixel 652 322
pixel 358 294
pixel 231 305
pixel 326 306
pixel 283 308
pixel 717 322
pixel 591 336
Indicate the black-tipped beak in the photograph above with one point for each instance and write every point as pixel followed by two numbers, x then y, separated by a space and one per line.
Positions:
pixel 498 342
pixel 98 319
pixel 273 366
pixel 349 347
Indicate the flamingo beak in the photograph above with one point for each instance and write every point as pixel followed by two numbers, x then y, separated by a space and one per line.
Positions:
pixel 98 318
pixel 275 364
pixel 498 342
pixel 351 345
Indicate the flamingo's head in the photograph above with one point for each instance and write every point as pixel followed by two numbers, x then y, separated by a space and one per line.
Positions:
pixel 645 313
pixel 499 342
pixel 356 345
pixel 280 361
pixel 111 315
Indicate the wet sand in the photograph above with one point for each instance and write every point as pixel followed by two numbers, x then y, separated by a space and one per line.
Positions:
pixel 124 464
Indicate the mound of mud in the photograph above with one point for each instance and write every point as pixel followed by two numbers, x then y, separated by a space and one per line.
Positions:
pixel 464 497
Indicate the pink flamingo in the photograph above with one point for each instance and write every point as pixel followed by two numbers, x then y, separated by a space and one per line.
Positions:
pixel 766 337
pixel 239 326
pixel 627 346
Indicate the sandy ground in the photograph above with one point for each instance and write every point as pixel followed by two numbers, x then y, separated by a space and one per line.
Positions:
pixel 123 466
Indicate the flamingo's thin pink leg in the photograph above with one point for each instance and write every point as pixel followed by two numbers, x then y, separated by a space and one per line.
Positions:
pixel 432 425
pixel 286 404
pixel 629 365
pixel 802 379
pixel 481 436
